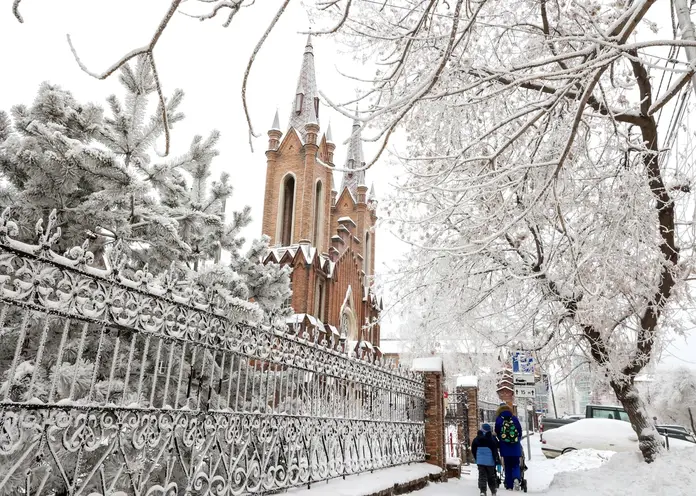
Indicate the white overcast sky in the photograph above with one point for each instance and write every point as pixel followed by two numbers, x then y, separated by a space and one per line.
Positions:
pixel 207 61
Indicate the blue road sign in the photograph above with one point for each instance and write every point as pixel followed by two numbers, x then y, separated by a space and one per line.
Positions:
pixel 522 363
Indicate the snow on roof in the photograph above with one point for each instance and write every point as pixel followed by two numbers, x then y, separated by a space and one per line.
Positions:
pixel 299 317
pixel 467 381
pixel 308 252
pixel 342 220
pixel 427 364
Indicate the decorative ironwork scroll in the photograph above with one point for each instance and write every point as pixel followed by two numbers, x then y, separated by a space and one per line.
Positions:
pixel 114 383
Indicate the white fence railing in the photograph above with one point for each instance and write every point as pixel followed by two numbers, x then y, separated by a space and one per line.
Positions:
pixel 120 384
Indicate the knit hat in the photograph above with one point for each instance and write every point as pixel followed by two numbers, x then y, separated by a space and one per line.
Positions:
pixel 486 428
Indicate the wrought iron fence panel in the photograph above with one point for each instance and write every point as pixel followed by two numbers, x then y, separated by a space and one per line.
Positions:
pixel 457 442
pixel 119 383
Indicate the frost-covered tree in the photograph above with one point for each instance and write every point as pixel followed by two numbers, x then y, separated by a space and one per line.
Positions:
pixel 98 173
pixel 268 284
pixel 540 190
pixel 674 397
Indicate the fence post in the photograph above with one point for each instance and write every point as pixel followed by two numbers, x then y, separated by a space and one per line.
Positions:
pixel 433 382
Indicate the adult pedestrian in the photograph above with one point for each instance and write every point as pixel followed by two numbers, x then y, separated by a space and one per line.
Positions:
pixel 509 433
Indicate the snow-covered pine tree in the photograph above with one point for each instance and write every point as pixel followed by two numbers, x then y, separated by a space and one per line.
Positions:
pixel 268 284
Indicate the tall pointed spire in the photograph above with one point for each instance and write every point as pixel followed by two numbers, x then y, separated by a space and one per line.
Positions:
pixel 276 121
pixel 306 105
pixel 354 160
pixel 372 196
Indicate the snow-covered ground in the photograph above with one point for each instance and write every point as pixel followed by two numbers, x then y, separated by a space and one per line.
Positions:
pixel 368 483
pixel 591 473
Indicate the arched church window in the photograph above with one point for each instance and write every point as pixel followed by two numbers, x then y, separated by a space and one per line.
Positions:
pixel 319 299
pixel 316 106
pixel 349 328
pixel 318 216
pixel 368 254
pixel 287 213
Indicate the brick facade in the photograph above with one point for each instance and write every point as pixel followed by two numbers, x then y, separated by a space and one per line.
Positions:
pixel 326 236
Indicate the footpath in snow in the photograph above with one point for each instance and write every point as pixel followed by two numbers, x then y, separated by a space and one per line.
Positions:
pixel 368 483
pixel 591 473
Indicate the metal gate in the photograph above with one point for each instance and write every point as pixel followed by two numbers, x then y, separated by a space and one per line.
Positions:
pixel 457 442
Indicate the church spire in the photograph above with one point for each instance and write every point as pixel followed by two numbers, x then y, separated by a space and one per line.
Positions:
pixel 354 160
pixel 306 106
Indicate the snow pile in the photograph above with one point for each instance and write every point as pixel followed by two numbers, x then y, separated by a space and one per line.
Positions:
pixel 368 483
pixel 427 364
pixel 467 381
pixel 542 473
pixel 673 474
pixel 595 433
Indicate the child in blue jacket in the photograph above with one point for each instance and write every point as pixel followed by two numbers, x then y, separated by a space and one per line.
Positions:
pixel 485 451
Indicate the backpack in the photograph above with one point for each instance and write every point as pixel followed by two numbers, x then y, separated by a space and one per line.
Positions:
pixel 508 431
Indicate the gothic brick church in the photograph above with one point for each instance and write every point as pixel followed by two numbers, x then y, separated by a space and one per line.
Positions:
pixel 325 234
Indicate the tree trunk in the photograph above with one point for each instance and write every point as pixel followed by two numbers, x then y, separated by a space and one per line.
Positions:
pixel 649 440
pixel 691 418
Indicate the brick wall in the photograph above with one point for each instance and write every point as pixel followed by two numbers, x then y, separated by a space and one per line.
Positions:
pixel 434 419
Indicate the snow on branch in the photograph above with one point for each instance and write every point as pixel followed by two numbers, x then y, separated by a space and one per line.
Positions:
pixel 215 7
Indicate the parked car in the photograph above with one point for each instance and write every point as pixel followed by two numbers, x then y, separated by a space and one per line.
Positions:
pixel 600 434
pixel 591 411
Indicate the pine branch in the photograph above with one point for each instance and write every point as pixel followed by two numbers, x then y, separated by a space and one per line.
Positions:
pixel 146 51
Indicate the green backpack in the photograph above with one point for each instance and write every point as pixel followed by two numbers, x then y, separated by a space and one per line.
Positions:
pixel 508 431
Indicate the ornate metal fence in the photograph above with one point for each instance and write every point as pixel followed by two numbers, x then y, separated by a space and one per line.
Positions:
pixel 457 440
pixel 487 412
pixel 116 384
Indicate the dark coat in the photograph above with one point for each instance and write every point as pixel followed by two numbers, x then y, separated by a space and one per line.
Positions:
pixel 485 450
pixel 508 449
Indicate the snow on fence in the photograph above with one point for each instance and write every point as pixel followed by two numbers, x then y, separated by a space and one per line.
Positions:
pixel 116 384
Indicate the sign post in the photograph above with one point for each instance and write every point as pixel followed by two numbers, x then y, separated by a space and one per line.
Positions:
pixel 525 388
pixel 530 408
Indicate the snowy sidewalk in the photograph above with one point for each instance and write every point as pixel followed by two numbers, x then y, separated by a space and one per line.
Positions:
pixel 369 483
pixel 591 473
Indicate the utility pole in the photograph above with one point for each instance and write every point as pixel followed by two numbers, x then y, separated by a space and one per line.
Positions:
pixel 688 33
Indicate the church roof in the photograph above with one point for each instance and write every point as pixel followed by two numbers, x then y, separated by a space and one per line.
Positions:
pixel 307 252
pixel 354 160
pixel 307 87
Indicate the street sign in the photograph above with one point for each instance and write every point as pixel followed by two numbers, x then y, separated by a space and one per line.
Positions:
pixel 522 363
pixel 523 379
pixel 524 391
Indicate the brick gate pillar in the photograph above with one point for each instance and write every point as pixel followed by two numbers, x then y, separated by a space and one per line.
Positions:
pixel 434 378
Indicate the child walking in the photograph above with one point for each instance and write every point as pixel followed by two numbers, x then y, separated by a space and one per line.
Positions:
pixel 485 451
